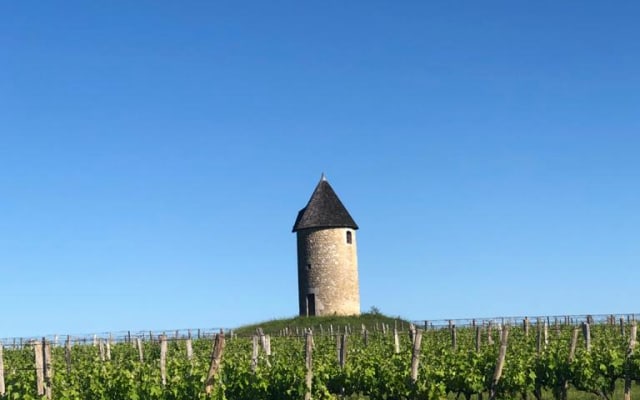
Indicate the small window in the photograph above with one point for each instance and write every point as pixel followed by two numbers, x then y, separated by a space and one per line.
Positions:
pixel 349 239
pixel 308 267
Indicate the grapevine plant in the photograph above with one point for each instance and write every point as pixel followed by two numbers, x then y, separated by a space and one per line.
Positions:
pixel 373 370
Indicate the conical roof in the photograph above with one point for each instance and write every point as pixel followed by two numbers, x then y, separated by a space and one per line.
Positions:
pixel 324 210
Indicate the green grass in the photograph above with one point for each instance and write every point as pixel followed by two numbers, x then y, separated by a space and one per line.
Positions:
pixel 371 320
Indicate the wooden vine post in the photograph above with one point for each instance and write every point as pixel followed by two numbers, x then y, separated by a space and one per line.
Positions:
pixel 538 338
pixel 412 333
pixel 627 372
pixel 489 334
pixel 454 337
pixel 541 331
pixel 254 354
pixel 37 353
pixel 265 343
pixel 108 349
pixel 67 354
pixel 47 362
pixel 500 362
pixel 396 341
pixel 574 342
pixel 338 348
pixel 216 358
pixel 586 332
pixel 266 346
pixel 308 352
pixel 478 343
pixel 189 349
pixel 140 351
pixel 572 354
pixel 342 350
pixel 415 355
pixel 2 388
pixel 545 330
pixel 163 359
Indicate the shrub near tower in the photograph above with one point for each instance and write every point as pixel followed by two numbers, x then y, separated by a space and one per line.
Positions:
pixel 327 256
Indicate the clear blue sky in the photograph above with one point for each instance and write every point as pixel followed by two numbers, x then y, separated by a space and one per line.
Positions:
pixel 154 154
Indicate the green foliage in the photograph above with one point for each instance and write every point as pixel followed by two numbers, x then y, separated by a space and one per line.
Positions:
pixel 597 370
pixel 372 372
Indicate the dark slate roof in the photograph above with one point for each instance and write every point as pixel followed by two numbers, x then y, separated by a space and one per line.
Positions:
pixel 324 210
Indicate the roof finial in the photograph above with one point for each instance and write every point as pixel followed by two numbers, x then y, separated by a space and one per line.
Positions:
pixel 323 178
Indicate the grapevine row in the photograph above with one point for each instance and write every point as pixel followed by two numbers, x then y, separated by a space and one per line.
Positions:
pixel 374 365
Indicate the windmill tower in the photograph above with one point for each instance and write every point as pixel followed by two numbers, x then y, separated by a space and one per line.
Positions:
pixel 327 256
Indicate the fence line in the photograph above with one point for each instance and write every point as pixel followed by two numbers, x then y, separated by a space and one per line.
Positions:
pixel 515 320
pixel 115 337
pixel 401 324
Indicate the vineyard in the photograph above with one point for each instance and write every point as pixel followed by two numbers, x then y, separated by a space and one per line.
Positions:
pixel 530 360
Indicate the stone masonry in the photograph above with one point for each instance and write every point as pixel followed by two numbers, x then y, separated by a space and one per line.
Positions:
pixel 327 256
pixel 328 269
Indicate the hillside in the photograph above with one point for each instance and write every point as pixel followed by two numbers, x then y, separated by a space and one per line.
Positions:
pixel 371 320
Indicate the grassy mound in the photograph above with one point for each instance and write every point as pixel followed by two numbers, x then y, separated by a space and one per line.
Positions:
pixel 372 321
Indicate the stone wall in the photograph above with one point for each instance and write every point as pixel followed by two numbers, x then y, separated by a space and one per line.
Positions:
pixel 328 269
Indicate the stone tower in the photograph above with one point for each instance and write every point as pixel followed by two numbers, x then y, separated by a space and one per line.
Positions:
pixel 327 256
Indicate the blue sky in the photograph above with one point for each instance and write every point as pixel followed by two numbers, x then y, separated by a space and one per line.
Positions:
pixel 154 155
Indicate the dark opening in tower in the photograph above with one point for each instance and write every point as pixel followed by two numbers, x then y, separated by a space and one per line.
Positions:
pixel 311 305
